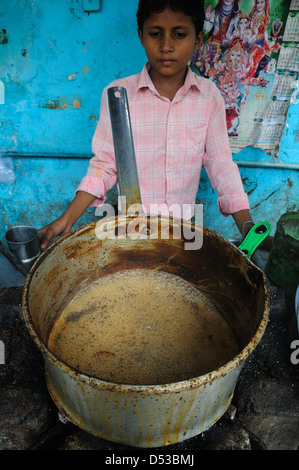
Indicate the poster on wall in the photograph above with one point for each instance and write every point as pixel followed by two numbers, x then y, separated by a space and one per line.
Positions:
pixel 251 52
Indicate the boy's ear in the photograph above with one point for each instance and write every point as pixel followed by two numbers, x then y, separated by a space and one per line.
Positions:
pixel 140 34
pixel 199 39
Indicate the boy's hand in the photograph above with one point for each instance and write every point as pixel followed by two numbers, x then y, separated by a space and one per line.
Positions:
pixel 60 226
pixel 64 223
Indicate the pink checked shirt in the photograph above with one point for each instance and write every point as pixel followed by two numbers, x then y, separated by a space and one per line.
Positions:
pixel 172 140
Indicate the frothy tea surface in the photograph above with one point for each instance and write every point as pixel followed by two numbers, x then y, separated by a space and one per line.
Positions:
pixel 142 327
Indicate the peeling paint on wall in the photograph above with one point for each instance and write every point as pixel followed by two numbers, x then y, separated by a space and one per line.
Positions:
pixel 3 36
pixel 62 103
pixel 72 76
pixel 85 69
pixel 51 104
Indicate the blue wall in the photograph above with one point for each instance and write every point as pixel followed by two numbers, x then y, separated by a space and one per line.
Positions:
pixel 55 59
pixel 55 63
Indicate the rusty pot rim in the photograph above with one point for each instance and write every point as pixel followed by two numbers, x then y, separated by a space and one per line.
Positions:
pixel 128 388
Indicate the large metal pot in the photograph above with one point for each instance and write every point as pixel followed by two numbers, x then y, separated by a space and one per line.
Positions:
pixel 155 415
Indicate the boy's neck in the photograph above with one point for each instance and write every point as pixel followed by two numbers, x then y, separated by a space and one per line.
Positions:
pixel 167 87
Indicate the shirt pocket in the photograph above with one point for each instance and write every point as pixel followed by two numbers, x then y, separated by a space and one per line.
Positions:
pixel 192 141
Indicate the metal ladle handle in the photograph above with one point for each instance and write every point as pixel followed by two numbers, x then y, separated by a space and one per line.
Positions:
pixel 124 145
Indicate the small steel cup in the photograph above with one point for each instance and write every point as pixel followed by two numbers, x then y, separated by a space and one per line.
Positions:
pixel 23 242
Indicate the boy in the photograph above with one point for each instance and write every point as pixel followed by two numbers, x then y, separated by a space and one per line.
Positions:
pixel 178 124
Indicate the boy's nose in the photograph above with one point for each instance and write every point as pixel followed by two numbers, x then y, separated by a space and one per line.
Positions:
pixel 166 44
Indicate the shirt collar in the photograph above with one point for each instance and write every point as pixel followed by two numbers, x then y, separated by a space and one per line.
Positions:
pixel 145 81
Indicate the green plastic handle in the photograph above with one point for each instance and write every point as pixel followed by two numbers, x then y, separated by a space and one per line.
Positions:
pixel 254 238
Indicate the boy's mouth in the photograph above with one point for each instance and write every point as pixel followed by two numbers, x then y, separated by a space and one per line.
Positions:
pixel 167 62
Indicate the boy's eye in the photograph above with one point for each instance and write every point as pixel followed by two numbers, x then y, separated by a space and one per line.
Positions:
pixel 176 34
pixel 180 35
pixel 155 34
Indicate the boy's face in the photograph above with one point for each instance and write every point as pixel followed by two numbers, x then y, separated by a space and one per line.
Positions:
pixel 169 39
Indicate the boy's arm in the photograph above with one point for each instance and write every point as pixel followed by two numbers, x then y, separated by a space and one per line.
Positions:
pixel 244 216
pixel 64 223
pixel 240 218
pixel 102 172
pixel 222 170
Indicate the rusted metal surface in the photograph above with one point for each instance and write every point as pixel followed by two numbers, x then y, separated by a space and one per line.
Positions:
pixel 156 415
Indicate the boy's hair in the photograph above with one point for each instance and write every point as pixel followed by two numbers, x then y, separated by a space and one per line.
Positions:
pixel 193 8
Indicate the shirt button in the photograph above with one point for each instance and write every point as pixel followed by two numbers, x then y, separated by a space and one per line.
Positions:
pixel 168 170
pixel 168 197
pixel 170 137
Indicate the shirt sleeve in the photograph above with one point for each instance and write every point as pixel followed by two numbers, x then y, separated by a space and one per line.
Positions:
pixel 221 169
pixel 102 173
